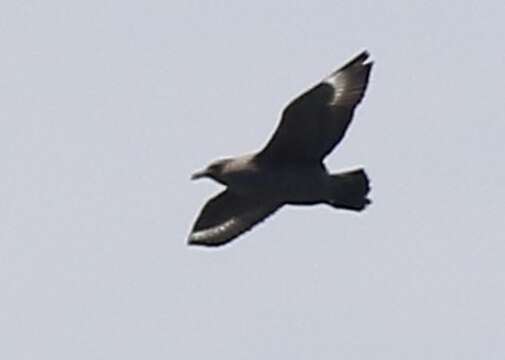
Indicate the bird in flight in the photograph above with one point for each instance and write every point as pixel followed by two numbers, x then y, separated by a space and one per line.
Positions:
pixel 290 168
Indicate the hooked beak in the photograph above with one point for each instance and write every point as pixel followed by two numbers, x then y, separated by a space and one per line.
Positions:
pixel 199 174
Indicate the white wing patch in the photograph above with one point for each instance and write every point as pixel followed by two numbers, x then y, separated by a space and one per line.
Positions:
pixel 214 231
pixel 348 86
pixel 338 82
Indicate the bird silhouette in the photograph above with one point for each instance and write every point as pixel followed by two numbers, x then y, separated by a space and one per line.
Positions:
pixel 290 168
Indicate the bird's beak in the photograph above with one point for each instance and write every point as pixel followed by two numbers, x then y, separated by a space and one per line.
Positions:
pixel 199 174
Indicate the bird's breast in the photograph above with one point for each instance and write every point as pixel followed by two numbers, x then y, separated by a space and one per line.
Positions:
pixel 287 185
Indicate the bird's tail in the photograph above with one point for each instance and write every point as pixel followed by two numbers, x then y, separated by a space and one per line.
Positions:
pixel 350 190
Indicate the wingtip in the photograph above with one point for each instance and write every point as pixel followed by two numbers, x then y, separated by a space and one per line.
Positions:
pixel 365 54
pixel 358 59
pixel 192 242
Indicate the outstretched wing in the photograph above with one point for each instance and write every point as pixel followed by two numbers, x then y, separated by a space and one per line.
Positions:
pixel 226 216
pixel 315 122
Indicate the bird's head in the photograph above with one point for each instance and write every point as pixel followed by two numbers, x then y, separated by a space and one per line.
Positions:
pixel 214 171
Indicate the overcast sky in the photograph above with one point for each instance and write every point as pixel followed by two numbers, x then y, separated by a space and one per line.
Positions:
pixel 106 107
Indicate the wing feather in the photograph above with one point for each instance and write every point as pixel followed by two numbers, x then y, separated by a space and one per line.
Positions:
pixel 226 216
pixel 315 122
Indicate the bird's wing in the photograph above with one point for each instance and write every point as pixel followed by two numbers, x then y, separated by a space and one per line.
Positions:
pixel 226 216
pixel 315 122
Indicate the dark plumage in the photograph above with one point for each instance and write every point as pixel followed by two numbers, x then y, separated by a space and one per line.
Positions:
pixel 290 169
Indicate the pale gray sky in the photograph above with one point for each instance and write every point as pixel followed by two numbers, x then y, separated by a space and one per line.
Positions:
pixel 108 106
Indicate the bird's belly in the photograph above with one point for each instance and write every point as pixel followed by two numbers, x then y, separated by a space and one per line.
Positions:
pixel 287 187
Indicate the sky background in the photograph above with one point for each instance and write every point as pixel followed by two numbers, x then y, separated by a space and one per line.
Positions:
pixel 107 107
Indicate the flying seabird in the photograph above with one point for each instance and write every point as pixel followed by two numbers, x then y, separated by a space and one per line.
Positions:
pixel 290 168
